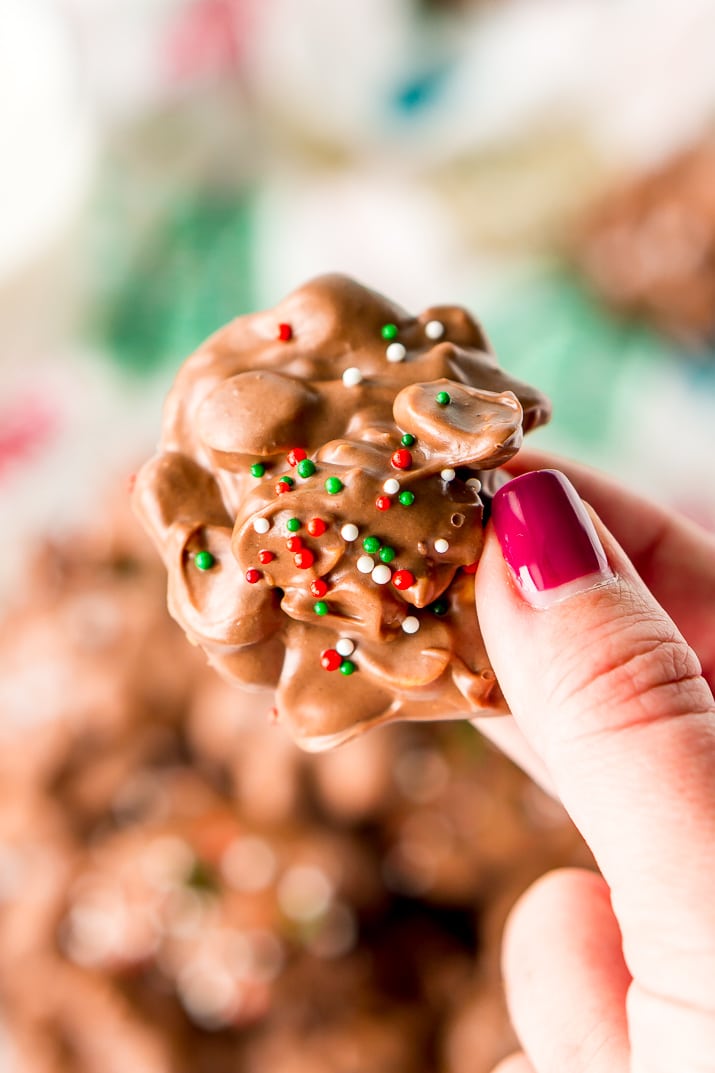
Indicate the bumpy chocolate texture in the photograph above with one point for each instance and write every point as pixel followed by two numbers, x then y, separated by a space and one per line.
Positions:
pixel 329 454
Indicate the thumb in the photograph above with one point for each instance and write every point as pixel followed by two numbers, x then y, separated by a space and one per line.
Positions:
pixel 610 696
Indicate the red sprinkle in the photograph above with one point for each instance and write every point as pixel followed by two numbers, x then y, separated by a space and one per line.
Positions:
pixel 282 487
pixel 304 558
pixel 383 502
pixel 265 557
pixel 318 587
pixel 402 579
pixel 470 569
pixel 330 660
pixel 402 459
pixel 296 455
pixel 252 576
pixel 285 333
pixel 316 526
pixel 294 543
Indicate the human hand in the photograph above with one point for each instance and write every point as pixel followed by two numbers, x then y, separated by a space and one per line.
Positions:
pixel 612 975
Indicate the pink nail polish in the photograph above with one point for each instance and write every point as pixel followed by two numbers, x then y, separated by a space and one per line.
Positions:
pixel 547 537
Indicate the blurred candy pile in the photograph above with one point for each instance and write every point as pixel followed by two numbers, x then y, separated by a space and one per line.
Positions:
pixel 181 889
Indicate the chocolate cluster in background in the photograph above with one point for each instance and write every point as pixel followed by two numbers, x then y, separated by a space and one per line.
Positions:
pixel 648 248
pixel 182 890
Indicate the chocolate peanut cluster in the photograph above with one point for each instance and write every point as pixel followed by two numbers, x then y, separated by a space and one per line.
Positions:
pixel 318 499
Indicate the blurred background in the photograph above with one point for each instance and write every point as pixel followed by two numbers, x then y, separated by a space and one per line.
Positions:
pixel 165 166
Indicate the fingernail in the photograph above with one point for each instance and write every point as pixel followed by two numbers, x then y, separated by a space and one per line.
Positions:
pixel 547 537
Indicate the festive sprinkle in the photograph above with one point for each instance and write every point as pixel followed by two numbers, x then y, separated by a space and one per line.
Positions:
pixel 281 488
pixel 349 532
pixel 305 468
pixel 365 564
pixel 407 498
pixel 204 560
pixel 439 607
pixel 474 483
pixel 448 475
pixel 434 329
pixel 286 480
pixel 403 579
pixel 252 576
pixel 318 587
pixel 265 557
pixel 293 525
pixel 257 469
pixel 371 544
pixel 443 398
pixel 389 331
pixel 387 554
pixel 352 376
pixel 330 660
pixel 391 486
pixel 316 527
pixel 347 667
pixel 295 455
pixel 408 440
pixel 294 543
pixel 381 574
pixel 441 546
pixel 383 502
pixel 345 646
pixel 470 569
pixel 396 352
pixel 401 459
pixel 285 333
pixel 333 485
pixel 261 525
pixel 320 607
pixel 304 559
pixel 411 624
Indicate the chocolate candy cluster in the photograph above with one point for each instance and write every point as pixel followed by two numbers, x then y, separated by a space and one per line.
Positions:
pixel 318 500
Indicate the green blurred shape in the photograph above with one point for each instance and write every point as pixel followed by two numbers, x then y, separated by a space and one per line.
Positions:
pixel 552 333
pixel 186 274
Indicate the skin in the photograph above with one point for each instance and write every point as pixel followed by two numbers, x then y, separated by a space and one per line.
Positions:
pixel 613 710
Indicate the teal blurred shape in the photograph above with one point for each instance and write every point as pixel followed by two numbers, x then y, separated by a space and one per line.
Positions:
pixel 189 272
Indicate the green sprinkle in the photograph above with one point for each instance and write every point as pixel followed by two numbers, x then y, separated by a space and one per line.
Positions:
pixel 320 607
pixel 407 440
pixel 286 480
pixel 347 667
pixel 389 331
pixel 387 554
pixel 439 607
pixel 257 469
pixel 333 485
pixel 204 560
pixel 371 544
pixel 407 498
pixel 293 525
pixel 443 398
pixel 306 467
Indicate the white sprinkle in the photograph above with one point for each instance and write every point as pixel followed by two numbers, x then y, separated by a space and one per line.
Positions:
pixel 352 376
pixel 411 624
pixel 365 564
pixel 396 352
pixel 434 329
pixel 349 532
pixel 381 574
pixel 391 486
pixel 441 545
pixel 448 475
pixel 474 483
pixel 345 647
pixel 261 525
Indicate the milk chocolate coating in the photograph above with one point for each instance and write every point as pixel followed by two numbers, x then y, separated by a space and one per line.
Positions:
pixel 271 384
